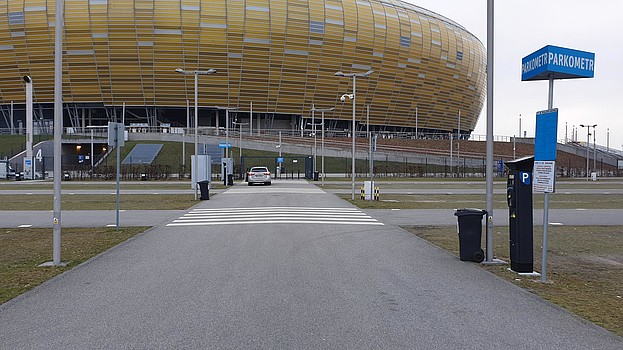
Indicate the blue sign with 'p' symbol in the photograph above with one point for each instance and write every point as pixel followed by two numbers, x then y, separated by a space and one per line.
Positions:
pixel 525 178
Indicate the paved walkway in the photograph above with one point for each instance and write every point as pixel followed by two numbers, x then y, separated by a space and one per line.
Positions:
pixel 285 274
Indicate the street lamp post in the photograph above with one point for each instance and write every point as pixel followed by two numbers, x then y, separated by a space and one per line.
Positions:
pixel 352 97
pixel 196 73
pixel 588 142
pixel 322 110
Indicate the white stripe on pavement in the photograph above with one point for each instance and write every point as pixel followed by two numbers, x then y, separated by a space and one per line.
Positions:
pixel 275 222
pixel 275 215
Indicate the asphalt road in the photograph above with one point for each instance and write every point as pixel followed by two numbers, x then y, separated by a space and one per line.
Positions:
pixel 287 266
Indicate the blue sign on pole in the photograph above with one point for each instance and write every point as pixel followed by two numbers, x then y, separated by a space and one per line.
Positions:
pixel 560 62
pixel 545 138
pixel 279 159
pixel 223 145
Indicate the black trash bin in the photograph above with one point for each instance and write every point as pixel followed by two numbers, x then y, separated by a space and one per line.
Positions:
pixel 204 187
pixel 315 176
pixel 470 234
pixel 230 179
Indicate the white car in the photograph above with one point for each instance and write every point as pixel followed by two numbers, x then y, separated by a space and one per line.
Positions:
pixel 259 174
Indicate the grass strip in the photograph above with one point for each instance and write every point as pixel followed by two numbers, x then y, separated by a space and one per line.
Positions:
pixel 453 201
pixel 22 249
pixel 585 267
pixel 99 202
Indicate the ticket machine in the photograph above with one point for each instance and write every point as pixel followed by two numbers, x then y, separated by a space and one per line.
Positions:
pixel 519 199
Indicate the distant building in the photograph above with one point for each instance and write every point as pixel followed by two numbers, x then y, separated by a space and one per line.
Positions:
pixel 281 56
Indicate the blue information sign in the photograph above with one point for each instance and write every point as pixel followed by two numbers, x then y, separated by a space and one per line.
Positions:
pixel 222 145
pixel 545 138
pixel 280 160
pixel 560 62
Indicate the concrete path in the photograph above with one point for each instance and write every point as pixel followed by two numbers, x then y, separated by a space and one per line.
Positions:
pixel 278 270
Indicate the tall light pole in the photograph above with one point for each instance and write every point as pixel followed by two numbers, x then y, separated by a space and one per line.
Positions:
pixel 588 142
pixel 489 141
pixel 196 73
pixel 58 129
pixel 29 168
pixel 322 110
pixel 352 97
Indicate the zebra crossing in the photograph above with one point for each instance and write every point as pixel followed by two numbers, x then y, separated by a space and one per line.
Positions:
pixel 273 190
pixel 274 215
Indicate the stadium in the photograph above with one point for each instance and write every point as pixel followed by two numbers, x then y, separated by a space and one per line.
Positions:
pixel 275 61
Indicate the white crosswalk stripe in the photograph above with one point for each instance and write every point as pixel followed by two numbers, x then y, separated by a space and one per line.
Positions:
pixel 269 189
pixel 274 215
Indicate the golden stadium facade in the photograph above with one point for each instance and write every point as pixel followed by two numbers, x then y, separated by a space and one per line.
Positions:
pixel 279 55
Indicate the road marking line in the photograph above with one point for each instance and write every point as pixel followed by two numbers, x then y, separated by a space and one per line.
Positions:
pixel 276 222
pixel 24 226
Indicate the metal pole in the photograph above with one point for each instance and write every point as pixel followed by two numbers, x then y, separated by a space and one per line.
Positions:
pixel 550 104
pixel 58 129
pixel 322 145
pixel 279 163
pixel 588 142
pixel 240 144
pixel 118 173
pixel 184 135
pixel 451 158
pixel 458 147
pixel 594 148
pixel 314 131
pixel 195 171
pixel 370 144
pixel 227 135
pixel 489 166
pixel 608 140
pixel 91 152
pixel 12 124
pixel 251 118
pixel 29 129
pixel 352 197
pixel 417 135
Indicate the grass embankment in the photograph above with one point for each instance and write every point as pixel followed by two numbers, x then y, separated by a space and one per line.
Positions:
pixel 22 249
pixel 585 267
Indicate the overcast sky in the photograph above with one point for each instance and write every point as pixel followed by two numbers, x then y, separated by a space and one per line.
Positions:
pixel 522 27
